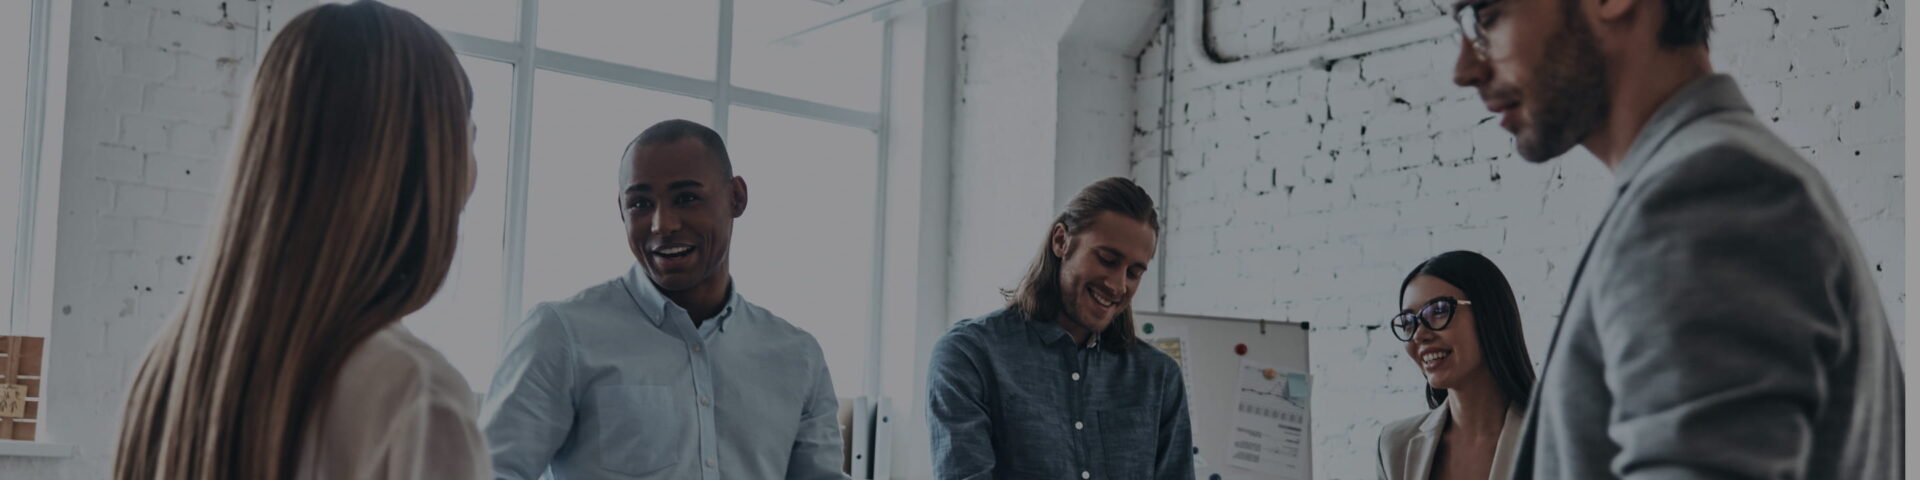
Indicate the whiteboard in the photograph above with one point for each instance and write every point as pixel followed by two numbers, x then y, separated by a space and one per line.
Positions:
pixel 1212 368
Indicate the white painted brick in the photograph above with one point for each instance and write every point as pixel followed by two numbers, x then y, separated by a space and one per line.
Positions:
pixel 1494 206
pixel 1868 43
pixel 1457 116
pixel 190 173
pixel 188 207
pixel 154 232
pixel 123 95
pixel 1806 130
pixel 112 234
pixel 116 163
pixel 1429 214
pixel 1873 122
pixel 1364 220
pixel 1397 125
pixel 1477 239
pixel 176 274
pixel 1742 28
pixel 1417 61
pixel 1301 232
pixel 1244 238
pixel 1396 248
pixel 190 139
pixel 1489 140
pixel 133 271
pixel 143 132
pixel 1819 53
pixel 183 104
pixel 208 74
pixel 147 63
pixel 202 38
pixel 1815 92
pixel 125 24
pixel 138 201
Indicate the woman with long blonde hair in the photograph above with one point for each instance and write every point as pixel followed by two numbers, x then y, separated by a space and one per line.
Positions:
pixel 288 359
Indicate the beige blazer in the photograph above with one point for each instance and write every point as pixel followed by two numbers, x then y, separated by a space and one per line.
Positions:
pixel 1407 446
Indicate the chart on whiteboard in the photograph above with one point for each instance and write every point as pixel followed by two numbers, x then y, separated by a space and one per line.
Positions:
pixel 1270 422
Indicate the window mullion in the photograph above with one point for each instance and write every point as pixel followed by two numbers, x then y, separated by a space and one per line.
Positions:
pixel 515 241
pixel 723 70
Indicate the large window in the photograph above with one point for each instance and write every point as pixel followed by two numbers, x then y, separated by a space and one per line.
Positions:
pixel 25 36
pixel 14 23
pixel 564 85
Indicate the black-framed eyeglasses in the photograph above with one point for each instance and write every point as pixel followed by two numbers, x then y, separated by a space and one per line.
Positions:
pixel 1468 19
pixel 1435 315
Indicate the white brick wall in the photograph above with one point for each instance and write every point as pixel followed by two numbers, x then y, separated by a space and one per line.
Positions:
pixel 1244 29
pixel 152 97
pixel 1281 211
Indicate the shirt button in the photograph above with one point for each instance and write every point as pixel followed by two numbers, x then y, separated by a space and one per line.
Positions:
pixel 1076 376
pixel 696 348
pixel 713 463
pixel 1086 475
pixel 706 400
pixel 1079 426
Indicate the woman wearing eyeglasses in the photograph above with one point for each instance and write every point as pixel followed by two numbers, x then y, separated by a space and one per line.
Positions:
pixel 1461 326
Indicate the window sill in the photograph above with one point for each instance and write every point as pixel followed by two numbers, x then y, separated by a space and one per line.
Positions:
pixel 16 448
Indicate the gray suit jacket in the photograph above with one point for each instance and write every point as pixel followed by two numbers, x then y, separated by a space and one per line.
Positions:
pixel 1407 447
pixel 1723 323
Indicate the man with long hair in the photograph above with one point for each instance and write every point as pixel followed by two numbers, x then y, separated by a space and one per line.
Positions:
pixel 666 372
pixel 1056 384
pixel 1723 322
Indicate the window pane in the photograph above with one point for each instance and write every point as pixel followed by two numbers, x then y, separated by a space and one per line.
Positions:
pixel 496 19
pixel 837 65
pixel 805 248
pixel 574 236
pixel 674 36
pixel 14 23
pixel 464 319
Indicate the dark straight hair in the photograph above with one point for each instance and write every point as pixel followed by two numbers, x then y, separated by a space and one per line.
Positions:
pixel 1496 320
pixel 1039 298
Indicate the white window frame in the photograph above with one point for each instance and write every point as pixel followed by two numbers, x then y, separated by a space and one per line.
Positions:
pixel 30 311
pixel 38 187
pixel 526 57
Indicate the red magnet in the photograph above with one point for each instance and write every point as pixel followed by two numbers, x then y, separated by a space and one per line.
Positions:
pixel 1240 349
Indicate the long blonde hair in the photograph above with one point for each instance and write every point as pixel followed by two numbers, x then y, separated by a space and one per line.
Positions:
pixel 343 207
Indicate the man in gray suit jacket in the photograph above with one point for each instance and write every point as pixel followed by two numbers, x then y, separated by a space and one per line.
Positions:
pixel 1722 322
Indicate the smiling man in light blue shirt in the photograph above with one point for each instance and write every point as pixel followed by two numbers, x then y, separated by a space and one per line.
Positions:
pixel 666 372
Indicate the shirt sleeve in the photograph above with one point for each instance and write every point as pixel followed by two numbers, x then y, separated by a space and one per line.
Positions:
pixel 1175 446
pixel 817 450
pixel 529 410
pixel 957 413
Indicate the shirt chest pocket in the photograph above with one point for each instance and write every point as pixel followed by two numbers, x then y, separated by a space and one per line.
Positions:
pixel 1129 441
pixel 639 428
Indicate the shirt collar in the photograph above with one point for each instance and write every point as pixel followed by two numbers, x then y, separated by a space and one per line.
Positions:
pixel 1706 96
pixel 655 305
pixel 1049 333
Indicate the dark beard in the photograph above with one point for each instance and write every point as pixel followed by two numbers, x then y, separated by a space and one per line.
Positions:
pixel 1572 87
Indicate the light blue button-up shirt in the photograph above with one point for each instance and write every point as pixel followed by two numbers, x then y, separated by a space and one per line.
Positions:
pixel 617 383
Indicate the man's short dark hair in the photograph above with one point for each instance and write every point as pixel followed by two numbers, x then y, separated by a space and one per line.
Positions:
pixel 671 131
pixel 1688 23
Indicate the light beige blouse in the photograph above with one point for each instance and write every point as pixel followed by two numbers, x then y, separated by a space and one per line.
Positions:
pixel 1407 447
pixel 398 411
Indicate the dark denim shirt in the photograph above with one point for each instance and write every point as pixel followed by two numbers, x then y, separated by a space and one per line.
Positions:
pixel 1012 398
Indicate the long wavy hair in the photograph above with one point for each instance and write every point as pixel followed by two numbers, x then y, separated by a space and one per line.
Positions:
pixel 1038 296
pixel 341 215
